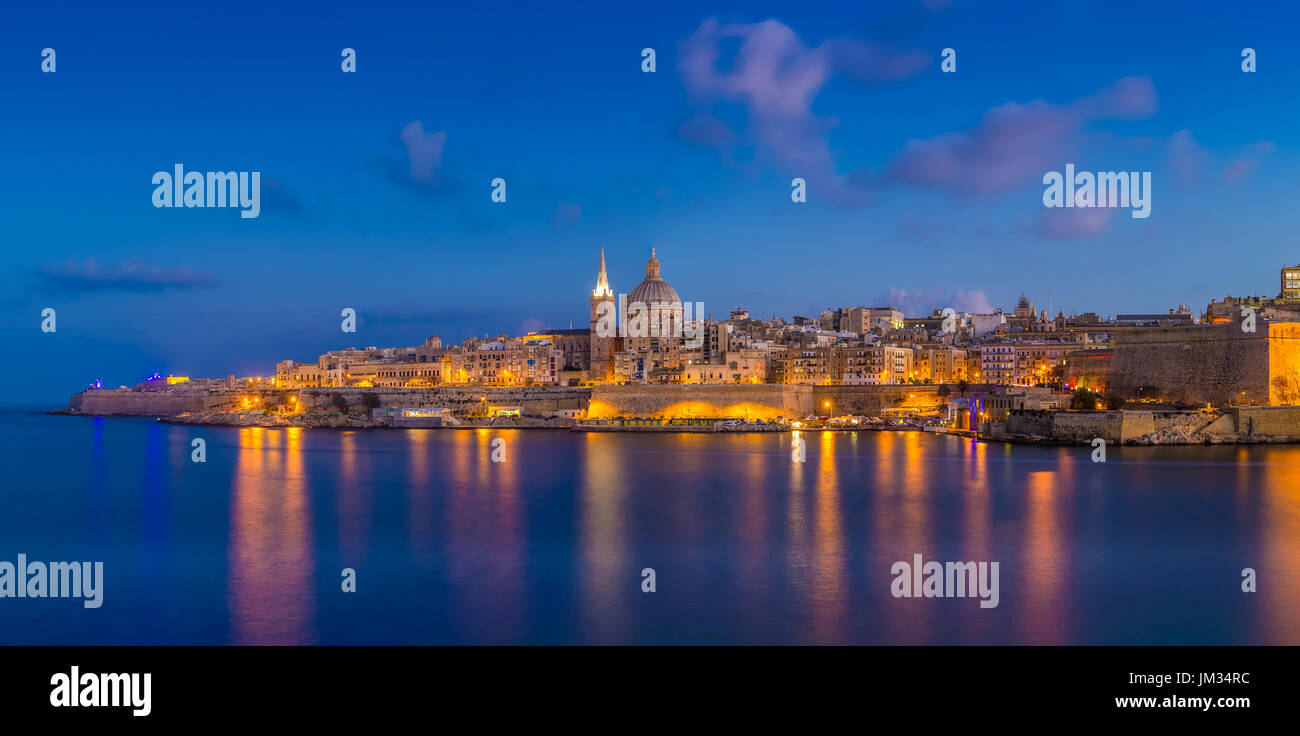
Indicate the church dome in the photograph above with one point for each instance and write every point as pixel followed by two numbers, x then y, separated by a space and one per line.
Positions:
pixel 654 288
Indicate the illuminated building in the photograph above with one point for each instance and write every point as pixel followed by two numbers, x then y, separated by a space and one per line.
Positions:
pixel 603 336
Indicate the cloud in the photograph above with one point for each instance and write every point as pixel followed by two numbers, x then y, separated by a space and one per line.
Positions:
pixel 89 276
pixel 565 215
pixel 424 150
pixel 776 77
pixel 706 130
pixel 872 63
pixel 1073 223
pixel 1190 161
pixel 1240 168
pixel 920 303
pixel 1013 144
pixel 1186 158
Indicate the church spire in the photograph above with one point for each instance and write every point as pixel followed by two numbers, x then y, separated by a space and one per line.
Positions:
pixel 602 279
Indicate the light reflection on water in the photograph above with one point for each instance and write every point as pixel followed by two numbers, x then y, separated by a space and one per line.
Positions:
pixel 548 546
pixel 1279 512
pixel 272 599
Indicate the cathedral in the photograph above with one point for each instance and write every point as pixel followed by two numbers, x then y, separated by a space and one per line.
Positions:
pixel 650 322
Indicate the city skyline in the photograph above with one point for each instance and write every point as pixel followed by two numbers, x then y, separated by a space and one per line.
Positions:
pixel 376 185
pixel 1017 326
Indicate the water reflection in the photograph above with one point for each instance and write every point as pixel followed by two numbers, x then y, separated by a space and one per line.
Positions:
pixel 507 576
pixel 354 496
pixel 605 574
pixel 753 543
pixel 484 535
pixel 419 497
pixel 829 588
pixel 270 589
pixel 750 546
pixel 796 537
pixel 1278 576
pixel 1044 561
pixel 977 519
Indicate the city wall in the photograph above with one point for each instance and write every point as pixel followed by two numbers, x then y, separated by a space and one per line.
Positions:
pixel 535 400
pixel 764 401
pixel 463 400
pixel 116 402
pixel 1055 426
pixel 1283 363
pixel 1088 369
pixel 1219 364
pixel 872 400
pixel 740 401
pixel 1235 425
pixel 1267 421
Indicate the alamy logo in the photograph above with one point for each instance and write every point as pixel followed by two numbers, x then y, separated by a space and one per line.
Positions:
pixel 53 580
pixel 949 323
pixel 946 580
pixel 242 189
pixel 1247 319
pixel 656 319
pixel 92 690
pixel 1102 189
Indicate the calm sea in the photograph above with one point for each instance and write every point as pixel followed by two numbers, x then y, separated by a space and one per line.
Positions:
pixel 549 546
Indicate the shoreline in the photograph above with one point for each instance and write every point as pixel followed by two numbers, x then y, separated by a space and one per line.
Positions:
pixel 697 409
pixel 361 422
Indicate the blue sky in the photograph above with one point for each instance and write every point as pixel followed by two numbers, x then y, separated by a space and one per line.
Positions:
pixel 924 187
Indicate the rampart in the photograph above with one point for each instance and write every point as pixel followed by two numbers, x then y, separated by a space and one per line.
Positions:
pixel 744 401
pixel 741 401
pixel 1218 364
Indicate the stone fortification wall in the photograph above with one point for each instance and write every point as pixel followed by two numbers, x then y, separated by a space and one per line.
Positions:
pixel 116 402
pixel 533 400
pixel 1071 427
pixel 1219 364
pixel 871 400
pixel 747 401
pixel 741 401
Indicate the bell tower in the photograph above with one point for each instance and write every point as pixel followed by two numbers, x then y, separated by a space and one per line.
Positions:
pixel 604 327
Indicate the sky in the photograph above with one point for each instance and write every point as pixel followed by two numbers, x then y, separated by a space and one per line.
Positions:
pixel 924 188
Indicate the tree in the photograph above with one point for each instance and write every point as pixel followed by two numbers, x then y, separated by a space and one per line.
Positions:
pixel 372 401
pixel 1055 375
pixel 340 402
pixel 1282 388
pixel 962 386
pixel 1083 399
pixel 944 392
pixel 1114 402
